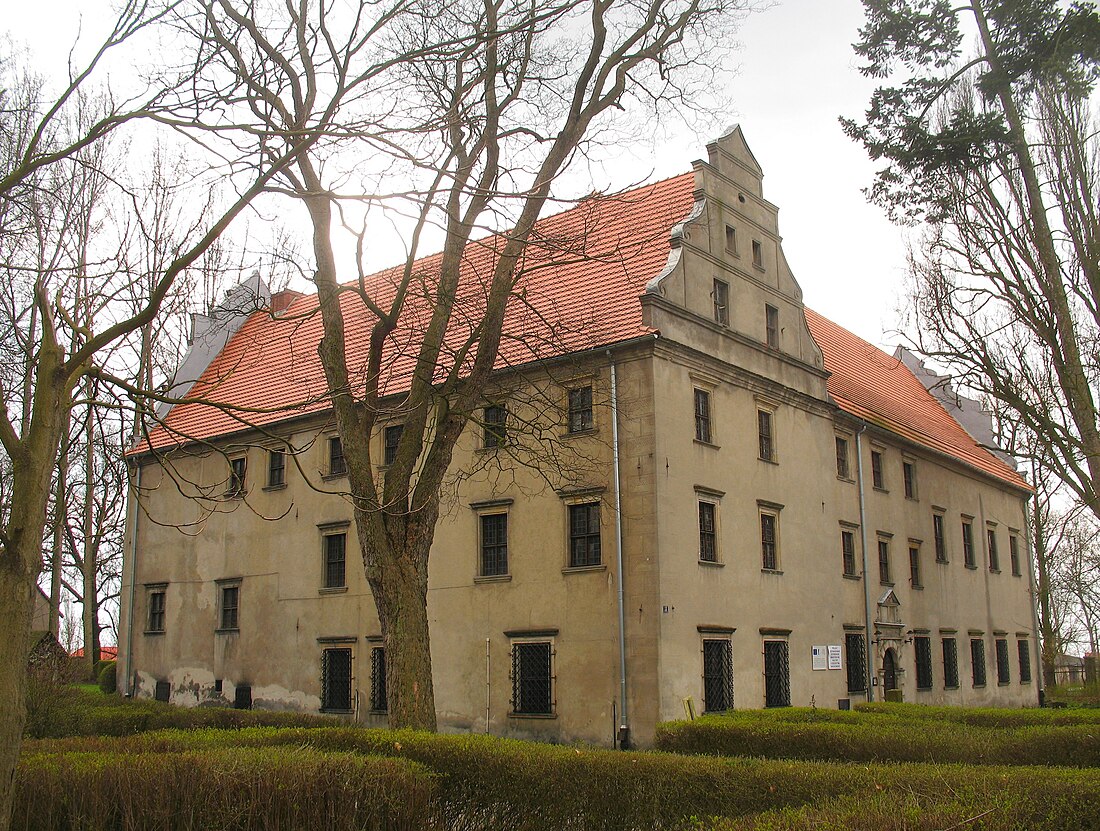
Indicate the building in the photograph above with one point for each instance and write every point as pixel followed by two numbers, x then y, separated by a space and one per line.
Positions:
pixel 797 519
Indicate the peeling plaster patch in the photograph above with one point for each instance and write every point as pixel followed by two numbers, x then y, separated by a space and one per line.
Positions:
pixel 274 697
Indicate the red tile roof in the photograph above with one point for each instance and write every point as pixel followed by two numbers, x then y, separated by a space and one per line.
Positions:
pixel 584 274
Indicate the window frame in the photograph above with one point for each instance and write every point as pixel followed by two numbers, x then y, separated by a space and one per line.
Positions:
pixel 1014 552
pixel 922 654
pixel 771 326
pixel 785 678
pixel 909 478
pixel 883 550
pixel 843 458
pixel 1004 672
pixel 516 646
pixel 848 551
pixel 328 653
pixel 720 299
pixel 949 645
pixel 770 548
pixel 391 440
pixel 707 514
pixel 701 401
pixel 494 426
pixel 1023 655
pixel 939 535
pixel 765 434
pixel 276 481
pixel 757 253
pixel 337 462
pixel 978 668
pixel 224 587
pixel 329 536
pixel 970 559
pixel 238 473
pixel 580 411
pixel 852 667
pixel 721 647
pixel 731 239
pixel 993 555
pixel 484 546
pixel 574 536
pixel 878 473
pixel 915 580
pixel 156 610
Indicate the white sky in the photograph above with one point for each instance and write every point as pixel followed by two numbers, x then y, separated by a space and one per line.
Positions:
pixel 798 74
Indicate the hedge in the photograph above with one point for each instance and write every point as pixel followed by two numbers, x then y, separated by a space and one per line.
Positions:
pixel 107 676
pixel 226 789
pixel 982 716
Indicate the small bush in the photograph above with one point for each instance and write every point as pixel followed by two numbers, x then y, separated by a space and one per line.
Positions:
pixel 107 676
pixel 981 716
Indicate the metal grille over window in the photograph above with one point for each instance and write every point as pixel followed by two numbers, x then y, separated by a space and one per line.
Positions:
pixel 1024 652
pixel 922 646
pixel 580 410
pixel 336 679
pixel 702 416
pixel 855 649
pixel 378 679
pixel 532 680
pixel 950 663
pixel 708 545
pixel 1003 676
pixel 777 674
pixel 717 675
pixel 977 661
pixel 494 544
pixel 584 535
pixel 156 611
pixel 335 560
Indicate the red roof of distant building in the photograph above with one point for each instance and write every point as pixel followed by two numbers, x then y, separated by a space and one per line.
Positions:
pixel 583 277
pixel 106 653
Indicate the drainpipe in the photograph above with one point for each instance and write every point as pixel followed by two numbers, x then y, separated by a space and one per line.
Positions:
pixel 863 549
pixel 133 523
pixel 624 729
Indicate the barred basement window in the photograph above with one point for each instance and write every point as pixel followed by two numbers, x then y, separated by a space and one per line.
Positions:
pixel 702 416
pixel 378 703
pixel 708 537
pixel 941 539
pixel 532 678
pixel 337 464
pixel 777 674
pixel 580 410
pixel 977 661
pixel 584 535
pixel 495 419
pixel 968 544
pixel 1003 675
pixel 494 545
pixel 391 437
pixel 276 468
pixel 336 680
pixel 950 664
pixel 855 659
pixel 1024 651
pixel 717 675
pixel 848 548
pixel 922 646
pixel 335 553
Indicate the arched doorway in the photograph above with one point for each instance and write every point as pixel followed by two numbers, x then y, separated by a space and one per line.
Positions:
pixel 890 670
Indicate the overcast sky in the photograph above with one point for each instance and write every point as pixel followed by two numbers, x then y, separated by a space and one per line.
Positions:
pixel 798 74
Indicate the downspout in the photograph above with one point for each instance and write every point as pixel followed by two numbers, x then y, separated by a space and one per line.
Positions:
pixel 624 729
pixel 863 550
pixel 133 523
pixel 1037 661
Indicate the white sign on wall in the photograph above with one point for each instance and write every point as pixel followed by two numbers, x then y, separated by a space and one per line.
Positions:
pixel 835 661
pixel 821 658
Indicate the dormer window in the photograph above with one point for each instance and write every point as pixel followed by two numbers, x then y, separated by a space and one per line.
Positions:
pixel 721 295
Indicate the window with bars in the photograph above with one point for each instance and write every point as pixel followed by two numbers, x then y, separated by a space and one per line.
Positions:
pixel 584 535
pixel 968 544
pixel 378 702
pixel 580 410
pixel 855 660
pixel 391 438
pixel 877 477
pixel 991 545
pixel 336 680
pixel 1014 554
pixel 940 538
pixel 494 545
pixel 276 468
pixel 1000 646
pixel 765 435
pixel 914 567
pixel 769 541
pixel 950 664
pixel 771 325
pixel 708 532
pixel 237 468
pixel 848 549
pixel 884 561
pixel 843 469
pixel 1023 651
pixel 721 297
pixel 532 678
pixel 909 479
pixel 922 648
pixel 337 464
pixel 229 601
pixel 156 610
pixel 777 674
pixel 717 675
pixel 977 662
pixel 335 553
pixel 702 416
pixel 494 426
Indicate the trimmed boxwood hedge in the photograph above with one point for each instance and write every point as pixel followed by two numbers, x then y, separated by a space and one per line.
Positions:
pixel 982 716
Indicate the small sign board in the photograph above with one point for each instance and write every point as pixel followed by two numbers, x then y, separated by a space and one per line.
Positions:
pixel 820 658
pixel 835 660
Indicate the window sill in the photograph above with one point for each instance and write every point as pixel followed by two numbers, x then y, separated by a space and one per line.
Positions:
pixel 851 577
pixel 1004 683
pixel 378 712
pixel 328 477
pixel 979 687
pixel 542 716
pixel 709 444
pixel 493 578
pixel 483 450
pixel 712 563
pixel 153 632
pixel 847 479
pixel 584 569
pixel 334 712
pixel 889 583
pixel 994 571
pixel 332 590
pixel 759 267
pixel 275 487
pixel 912 499
pixel 880 489
pixel 918 587
pixel 767 461
pixel 573 434
pixel 942 562
pixel 233 631
pixel 771 571
pixel 972 568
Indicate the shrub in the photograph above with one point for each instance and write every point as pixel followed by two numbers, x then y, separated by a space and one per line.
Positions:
pixel 107 676
pixel 981 716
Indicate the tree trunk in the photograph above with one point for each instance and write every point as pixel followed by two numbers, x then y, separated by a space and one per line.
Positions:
pixel 90 553
pixel 17 601
pixel 1048 635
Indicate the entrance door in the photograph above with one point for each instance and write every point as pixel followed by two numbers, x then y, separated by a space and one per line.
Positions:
pixel 890 670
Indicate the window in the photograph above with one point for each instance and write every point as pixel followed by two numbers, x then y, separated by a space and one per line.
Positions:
pixel 162 691
pixel 336 680
pixel 494 426
pixel 842 468
pixel 764 432
pixel 914 566
pixel 156 609
pixel 876 470
pixel 717 675
pixel 950 664
pixel 855 658
pixel 731 239
pixel 242 697
pixel 494 545
pixel 337 464
pixel 334 548
pixel 584 535
pixel 848 548
pixel 702 416
pixel 708 532
pixel 769 541
pixel 991 545
pixel 909 478
pixel 229 598
pixel 884 561
pixel 941 539
pixel 391 437
pixel 757 254
pixel 276 468
pixel 1023 650
pixel 771 326
pixel 1014 554
pixel 1000 645
pixel 977 661
pixel 237 468
pixel 721 296
pixel 580 410
pixel 532 678
pixel 922 647
pixel 777 674
pixel 968 544
pixel 378 703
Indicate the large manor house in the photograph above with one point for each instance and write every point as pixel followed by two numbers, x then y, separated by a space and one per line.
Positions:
pixel 686 493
